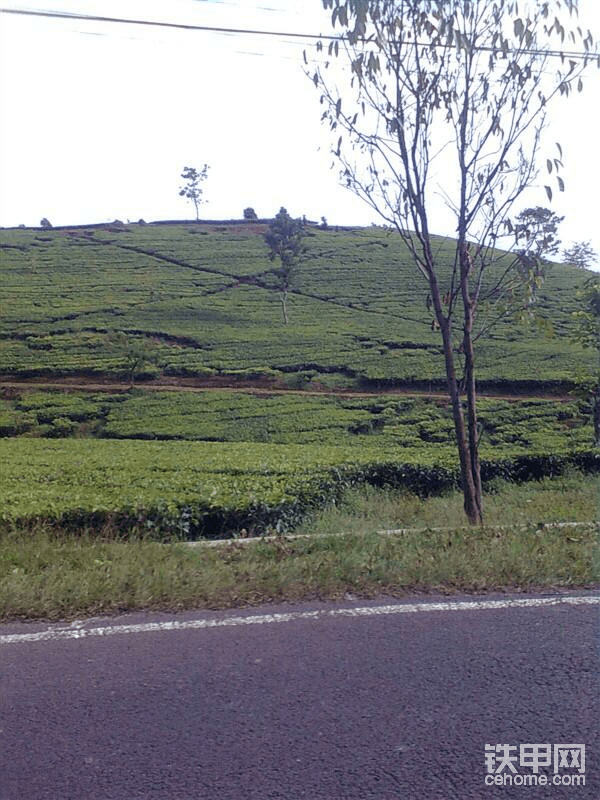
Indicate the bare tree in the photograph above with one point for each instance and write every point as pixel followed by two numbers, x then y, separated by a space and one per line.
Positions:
pixel 457 88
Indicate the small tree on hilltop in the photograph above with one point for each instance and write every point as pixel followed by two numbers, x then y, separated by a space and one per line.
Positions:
pixel 581 255
pixel 192 190
pixel 284 239
pixel 250 214
pixel 535 231
pixel 459 89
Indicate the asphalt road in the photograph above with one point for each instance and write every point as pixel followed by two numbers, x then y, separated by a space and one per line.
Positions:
pixel 319 701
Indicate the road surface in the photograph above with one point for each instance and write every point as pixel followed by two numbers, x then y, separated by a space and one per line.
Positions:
pixel 351 701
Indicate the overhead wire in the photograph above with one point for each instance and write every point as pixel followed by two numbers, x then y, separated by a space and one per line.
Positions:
pixel 227 31
pixel 65 15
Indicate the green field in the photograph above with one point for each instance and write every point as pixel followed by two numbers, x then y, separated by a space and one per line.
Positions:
pixel 376 421
pixel 202 302
pixel 212 489
pixel 233 424
pixel 47 573
pixel 214 462
pixel 204 299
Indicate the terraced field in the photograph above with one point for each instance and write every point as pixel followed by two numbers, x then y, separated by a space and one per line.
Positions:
pixel 368 421
pixel 211 463
pixel 203 300
pixel 168 302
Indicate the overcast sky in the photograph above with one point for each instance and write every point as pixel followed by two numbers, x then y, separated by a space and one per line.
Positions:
pixel 97 120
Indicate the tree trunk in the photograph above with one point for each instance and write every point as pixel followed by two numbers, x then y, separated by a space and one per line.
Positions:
pixel 466 440
pixel 472 427
pixel 596 416
pixel 469 461
pixel 470 387
pixel 284 295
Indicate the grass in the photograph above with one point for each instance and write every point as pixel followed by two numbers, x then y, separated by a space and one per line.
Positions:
pixel 47 574
pixel 571 498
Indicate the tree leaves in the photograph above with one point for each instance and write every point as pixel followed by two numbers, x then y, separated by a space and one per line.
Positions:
pixel 582 255
pixel 192 190
pixel 284 240
pixel 536 231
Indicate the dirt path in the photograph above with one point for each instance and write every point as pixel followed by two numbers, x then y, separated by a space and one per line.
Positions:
pixel 258 387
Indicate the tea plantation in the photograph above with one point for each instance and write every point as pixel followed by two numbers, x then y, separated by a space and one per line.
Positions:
pixel 204 300
pixel 161 303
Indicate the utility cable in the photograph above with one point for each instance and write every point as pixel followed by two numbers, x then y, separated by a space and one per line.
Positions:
pixel 65 15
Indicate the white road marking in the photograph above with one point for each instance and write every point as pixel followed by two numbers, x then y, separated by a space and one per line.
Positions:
pixel 75 631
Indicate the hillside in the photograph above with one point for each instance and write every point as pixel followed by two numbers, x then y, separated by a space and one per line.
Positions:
pixel 202 300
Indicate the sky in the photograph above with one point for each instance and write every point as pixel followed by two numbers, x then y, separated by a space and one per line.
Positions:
pixel 98 120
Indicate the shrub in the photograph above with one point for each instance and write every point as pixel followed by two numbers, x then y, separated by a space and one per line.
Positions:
pixel 62 428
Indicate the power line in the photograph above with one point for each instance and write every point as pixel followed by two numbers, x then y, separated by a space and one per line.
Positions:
pixel 155 23
pixel 65 15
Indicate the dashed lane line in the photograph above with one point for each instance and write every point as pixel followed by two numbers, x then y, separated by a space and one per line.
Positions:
pixel 77 631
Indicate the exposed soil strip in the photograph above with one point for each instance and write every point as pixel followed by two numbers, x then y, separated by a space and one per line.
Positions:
pixel 258 387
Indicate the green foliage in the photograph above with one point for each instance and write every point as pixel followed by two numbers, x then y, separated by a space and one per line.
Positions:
pixel 284 238
pixel 192 489
pixel 61 428
pixel 192 190
pixel 588 334
pixel 587 331
pixel 176 488
pixel 137 353
pixel 207 302
pixel 255 461
pixel 581 255
pixel 14 422
pixel 387 421
pixel 55 413
pixel 535 231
